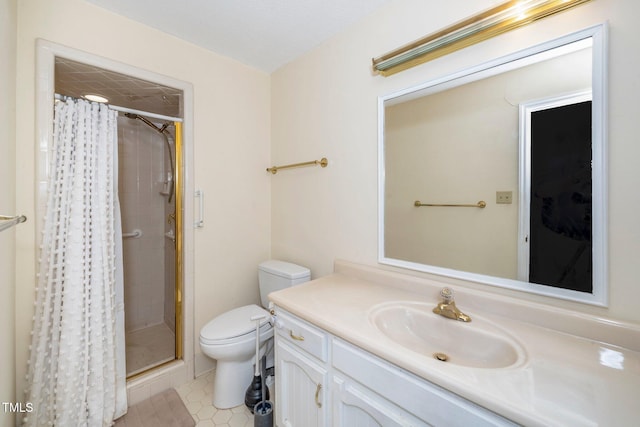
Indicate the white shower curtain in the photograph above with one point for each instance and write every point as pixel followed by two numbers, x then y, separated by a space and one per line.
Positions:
pixel 77 369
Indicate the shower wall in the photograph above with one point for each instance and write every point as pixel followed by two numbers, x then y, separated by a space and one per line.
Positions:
pixel 148 286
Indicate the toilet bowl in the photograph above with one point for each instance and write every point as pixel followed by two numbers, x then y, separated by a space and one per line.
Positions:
pixel 230 338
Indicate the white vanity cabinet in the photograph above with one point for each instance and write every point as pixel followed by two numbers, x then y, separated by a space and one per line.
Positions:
pixel 393 397
pixel 354 405
pixel 322 380
pixel 301 374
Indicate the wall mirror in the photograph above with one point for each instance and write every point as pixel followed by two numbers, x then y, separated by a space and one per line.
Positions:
pixel 497 173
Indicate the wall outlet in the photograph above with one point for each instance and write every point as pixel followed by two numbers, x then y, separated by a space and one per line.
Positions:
pixel 504 197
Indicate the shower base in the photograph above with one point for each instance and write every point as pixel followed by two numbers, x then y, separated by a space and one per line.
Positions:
pixel 149 347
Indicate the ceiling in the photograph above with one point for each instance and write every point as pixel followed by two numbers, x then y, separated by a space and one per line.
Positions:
pixel 265 34
pixel 77 80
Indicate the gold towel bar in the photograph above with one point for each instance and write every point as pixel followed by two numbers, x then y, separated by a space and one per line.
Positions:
pixel 322 162
pixel 481 204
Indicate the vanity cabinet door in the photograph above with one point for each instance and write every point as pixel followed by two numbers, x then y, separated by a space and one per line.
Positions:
pixel 301 389
pixel 354 405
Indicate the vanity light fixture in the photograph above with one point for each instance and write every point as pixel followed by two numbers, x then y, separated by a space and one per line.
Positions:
pixel 95 98
pixel 497 20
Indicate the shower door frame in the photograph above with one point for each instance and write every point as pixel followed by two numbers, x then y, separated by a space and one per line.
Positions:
pixel 182 368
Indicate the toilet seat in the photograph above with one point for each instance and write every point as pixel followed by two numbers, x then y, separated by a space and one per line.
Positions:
pixel 235 325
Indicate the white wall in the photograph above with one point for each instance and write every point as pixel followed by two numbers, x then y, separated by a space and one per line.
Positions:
pixel 7 204
pixel 324 104
pixel 231 147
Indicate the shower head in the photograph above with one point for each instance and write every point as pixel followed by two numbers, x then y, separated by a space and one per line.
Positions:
pixel 134 116
pixel 145 121
pixel 163 131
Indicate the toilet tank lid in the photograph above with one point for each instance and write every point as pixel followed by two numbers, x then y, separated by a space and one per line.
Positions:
pixel 284 269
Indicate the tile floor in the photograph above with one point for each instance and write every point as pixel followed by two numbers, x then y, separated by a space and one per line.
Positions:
pixel 197 398
pixel 149 347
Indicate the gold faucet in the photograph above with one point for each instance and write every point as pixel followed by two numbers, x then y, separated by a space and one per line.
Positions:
pixel 447 307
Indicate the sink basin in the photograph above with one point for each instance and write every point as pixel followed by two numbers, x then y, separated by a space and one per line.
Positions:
pixel 479 343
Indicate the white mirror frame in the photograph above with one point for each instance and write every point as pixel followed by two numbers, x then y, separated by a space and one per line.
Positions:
pixel 599 295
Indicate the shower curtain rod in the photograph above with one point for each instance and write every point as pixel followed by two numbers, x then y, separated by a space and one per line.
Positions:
pixel 130 110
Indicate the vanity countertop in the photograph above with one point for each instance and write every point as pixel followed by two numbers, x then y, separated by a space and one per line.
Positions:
pixel 584 372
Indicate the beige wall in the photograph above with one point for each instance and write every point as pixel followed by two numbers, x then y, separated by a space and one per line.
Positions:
pixel 7 204
pixel 324 104
pixel 231 147
pixel 430 158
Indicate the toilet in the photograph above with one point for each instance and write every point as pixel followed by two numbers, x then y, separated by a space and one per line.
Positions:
pixel 230 338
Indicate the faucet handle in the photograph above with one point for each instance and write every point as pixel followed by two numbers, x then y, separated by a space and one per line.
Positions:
pixel 447 295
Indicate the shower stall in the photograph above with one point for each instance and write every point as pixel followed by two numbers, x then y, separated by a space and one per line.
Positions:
pixel 156 194
pixel 146 185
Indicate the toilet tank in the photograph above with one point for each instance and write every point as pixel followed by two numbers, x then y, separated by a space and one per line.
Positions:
pixel 274 275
